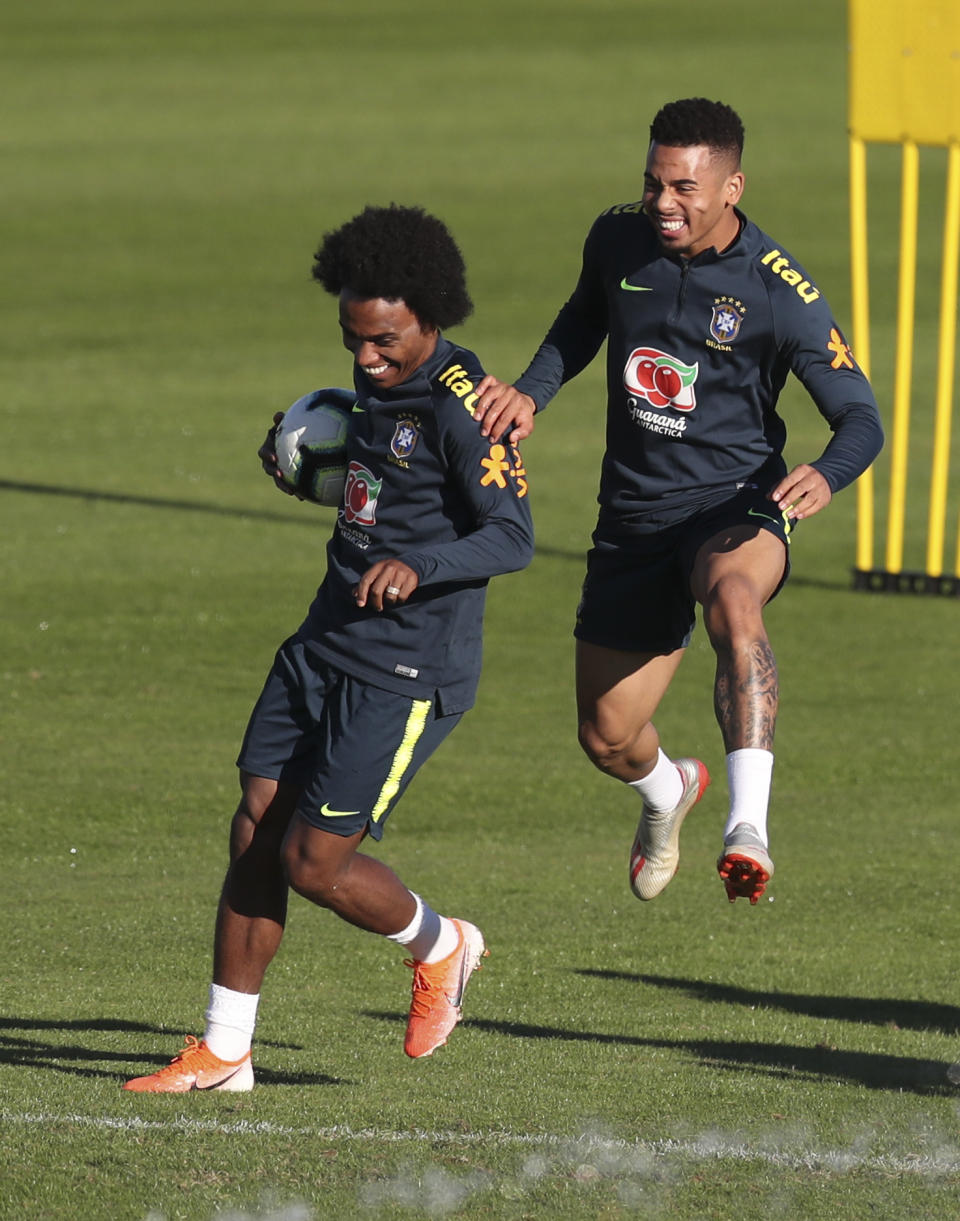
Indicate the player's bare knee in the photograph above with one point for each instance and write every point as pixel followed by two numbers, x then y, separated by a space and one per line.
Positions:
pixel 298 871
pixel 257 796
pixel 262 817
pixel 242 830
pixel 312 877
pixel 604 749
pixel 257 833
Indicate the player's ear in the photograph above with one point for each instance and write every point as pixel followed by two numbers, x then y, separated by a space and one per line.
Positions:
pixel 734 188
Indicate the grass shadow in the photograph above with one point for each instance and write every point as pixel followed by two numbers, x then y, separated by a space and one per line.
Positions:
pixel 871 1011
pixel 906 1074
pixel 199 506
pixel 124 1025
pixel 27 1050
pixel 147 502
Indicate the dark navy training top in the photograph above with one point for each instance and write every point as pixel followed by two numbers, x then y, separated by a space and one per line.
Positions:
pixel 423 486
pixel 698 351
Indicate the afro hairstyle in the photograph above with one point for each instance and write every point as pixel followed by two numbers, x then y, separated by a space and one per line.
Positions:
pixel 400 254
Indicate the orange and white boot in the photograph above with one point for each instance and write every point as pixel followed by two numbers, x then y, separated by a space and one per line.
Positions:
pixel 196 1068
pixel 438 988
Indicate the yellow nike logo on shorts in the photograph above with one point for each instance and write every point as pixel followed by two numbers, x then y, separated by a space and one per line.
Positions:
pixel 783 520
pixel 328 813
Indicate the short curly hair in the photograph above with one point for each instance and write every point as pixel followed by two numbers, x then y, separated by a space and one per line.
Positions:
pixel 698 121
pixel 400 254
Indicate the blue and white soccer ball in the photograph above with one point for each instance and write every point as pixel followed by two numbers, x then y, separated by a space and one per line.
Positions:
pixel 311 444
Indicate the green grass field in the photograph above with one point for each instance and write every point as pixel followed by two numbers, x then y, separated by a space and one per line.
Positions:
pixel 168 171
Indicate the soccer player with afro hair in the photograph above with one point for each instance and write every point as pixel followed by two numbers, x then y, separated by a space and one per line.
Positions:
pixel 386 661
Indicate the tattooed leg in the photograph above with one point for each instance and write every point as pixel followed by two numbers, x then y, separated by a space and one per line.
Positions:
pixel 746 696
pixel 734 576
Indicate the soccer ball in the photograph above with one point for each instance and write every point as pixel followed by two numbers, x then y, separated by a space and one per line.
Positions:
pixel 311 445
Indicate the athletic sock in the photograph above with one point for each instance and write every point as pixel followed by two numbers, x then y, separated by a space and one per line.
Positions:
pixel 662 788
pixel 749 775
pixel 428 937
pixel 231 1019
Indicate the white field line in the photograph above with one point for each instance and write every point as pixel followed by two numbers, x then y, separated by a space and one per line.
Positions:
pixel 710 1146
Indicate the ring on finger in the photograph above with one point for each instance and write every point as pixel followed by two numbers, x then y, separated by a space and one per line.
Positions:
pixel 393 591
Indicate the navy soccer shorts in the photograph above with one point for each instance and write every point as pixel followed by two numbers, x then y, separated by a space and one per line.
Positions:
pixel 636 594
pixel 350 747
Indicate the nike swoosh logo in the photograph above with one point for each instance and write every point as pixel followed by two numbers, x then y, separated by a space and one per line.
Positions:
pixel 357 407
pixel 634 288
pixel 328 813
pixel 757 513
pixel 456 1000
pixel 219 1081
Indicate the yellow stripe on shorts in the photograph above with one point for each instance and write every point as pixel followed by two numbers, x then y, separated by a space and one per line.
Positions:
pixel 413 730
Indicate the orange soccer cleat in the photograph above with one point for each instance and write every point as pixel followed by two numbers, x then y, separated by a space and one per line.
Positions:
pixel 196 1068
pixel 435 1006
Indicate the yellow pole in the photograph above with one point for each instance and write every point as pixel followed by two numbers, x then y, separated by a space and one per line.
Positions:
pixel 906 298
pixel 860 297
pixel 956 562
pixel 945 359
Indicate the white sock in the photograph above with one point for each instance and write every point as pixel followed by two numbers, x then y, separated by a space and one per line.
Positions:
pixel 231 1019
pixel 662 788
pixel 749 775
pixel 428 937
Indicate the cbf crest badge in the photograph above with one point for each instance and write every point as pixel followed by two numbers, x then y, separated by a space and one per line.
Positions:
pixel 405 438
pixel 728 314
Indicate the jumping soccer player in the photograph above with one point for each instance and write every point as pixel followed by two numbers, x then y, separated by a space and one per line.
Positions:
pixel 388 657
pixel 704 317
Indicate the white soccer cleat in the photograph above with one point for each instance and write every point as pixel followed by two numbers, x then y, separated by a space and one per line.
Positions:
pixel 744 864
pixel 655 855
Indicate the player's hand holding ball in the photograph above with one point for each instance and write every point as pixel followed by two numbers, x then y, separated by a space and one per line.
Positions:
pixel 267 453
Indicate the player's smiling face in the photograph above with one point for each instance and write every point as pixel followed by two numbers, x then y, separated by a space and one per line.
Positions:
pixel 689 196
pixel 386 338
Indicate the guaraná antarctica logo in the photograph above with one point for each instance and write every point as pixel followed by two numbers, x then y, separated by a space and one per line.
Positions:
pixel 360 496
pixel 660 379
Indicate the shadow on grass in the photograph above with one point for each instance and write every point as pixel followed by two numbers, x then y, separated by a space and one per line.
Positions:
pixel 121 1024
pixel 25 1050
pixel 871 1011
pixel 199 506
pixel 904 1074
pixel 147 502
pixel 194 506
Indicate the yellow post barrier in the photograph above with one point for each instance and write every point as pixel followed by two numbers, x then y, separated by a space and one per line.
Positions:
pixel 903 373
pixel 859 270
pixel 904 88
pixel 936 518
